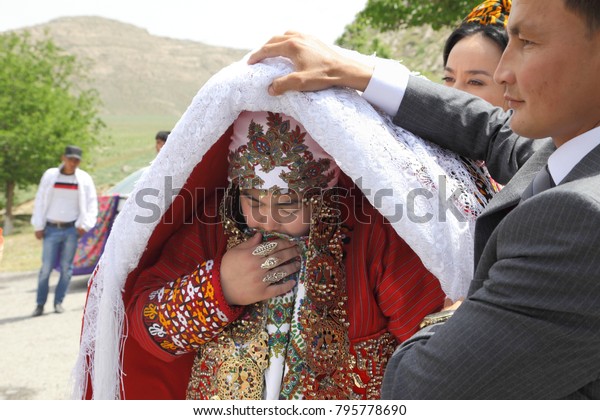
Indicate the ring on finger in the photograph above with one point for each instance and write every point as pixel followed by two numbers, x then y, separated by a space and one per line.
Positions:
pixel 274 277
pixel 264 249
pixel 270 262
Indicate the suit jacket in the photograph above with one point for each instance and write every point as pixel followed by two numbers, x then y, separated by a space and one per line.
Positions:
pixel 530 328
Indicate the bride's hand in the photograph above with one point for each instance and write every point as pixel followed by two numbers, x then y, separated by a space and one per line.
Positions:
pixel 249 276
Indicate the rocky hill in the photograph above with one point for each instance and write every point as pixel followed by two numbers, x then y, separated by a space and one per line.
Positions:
pixel 138 73
pixel 419 48
pixel 135 72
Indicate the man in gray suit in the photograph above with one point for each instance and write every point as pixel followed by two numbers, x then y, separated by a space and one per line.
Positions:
pixel 530 326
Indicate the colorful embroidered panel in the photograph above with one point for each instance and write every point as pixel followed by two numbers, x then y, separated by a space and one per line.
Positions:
pixel 185 313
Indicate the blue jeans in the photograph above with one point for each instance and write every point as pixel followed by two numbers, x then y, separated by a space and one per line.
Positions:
pixel 63 241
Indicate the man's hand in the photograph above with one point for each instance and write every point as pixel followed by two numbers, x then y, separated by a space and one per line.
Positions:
pixel 449 305
pixel 39 234
pixel 317 66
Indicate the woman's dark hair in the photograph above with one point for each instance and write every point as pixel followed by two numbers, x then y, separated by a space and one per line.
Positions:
pixel 495 33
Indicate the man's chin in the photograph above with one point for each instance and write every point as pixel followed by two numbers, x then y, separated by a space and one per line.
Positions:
pixel 522 126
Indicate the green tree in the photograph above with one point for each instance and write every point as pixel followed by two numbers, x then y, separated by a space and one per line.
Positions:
pixel 43 108
pixel 393 14
pixel 360 37
pixel 380 16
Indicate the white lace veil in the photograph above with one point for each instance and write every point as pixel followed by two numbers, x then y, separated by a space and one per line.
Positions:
pixel 399 173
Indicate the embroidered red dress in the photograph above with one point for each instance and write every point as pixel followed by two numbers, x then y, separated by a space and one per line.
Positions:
pixel 176 305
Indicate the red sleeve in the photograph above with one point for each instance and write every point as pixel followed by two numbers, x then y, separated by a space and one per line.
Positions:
pixel 405 290
pixel 173 313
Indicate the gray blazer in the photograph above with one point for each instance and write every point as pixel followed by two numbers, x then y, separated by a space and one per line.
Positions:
pixel 530 328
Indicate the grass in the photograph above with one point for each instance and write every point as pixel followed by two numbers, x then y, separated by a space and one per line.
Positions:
pixel 22 252
pixel 129 145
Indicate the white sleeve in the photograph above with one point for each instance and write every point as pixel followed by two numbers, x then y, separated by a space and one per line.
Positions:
pixel 387 86
pixel 38 216
pixel 90 212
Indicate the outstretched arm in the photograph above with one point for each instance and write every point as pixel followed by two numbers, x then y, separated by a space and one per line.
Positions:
pixel 455 120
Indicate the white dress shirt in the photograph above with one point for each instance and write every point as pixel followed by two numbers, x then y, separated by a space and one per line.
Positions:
pixel 564 159
pixel 387 86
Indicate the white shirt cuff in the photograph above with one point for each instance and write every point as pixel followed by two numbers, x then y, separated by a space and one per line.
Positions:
pixel 387 86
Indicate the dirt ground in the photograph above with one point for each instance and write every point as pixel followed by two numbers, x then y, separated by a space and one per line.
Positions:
pixel 38 354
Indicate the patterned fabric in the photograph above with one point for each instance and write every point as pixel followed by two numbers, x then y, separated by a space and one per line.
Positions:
pixel 491 12
pixel 283 333
pixel 185 313
pixel 272 151
pixel 91 244
pixel 486 186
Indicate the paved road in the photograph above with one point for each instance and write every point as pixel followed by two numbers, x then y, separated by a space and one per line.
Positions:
pixel 37 354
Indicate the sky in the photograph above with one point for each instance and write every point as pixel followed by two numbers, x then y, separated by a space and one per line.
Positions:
pixel 245 24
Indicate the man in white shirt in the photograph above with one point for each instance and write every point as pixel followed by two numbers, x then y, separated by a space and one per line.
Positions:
pixel 65 207
pixel 530 325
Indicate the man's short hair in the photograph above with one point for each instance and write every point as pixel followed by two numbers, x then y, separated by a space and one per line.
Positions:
pixel 588 10
pixel 162 135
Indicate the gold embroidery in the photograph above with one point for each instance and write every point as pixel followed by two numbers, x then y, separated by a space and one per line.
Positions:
pixel 233 365
pixel 241 377
pixel 279 146
pixel 372 357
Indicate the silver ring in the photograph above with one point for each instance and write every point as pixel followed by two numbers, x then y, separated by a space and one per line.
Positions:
pixel 274 277
pixel 270 262
pixel 265 249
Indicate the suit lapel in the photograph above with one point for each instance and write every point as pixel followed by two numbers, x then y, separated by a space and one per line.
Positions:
pixel 507 199
pixel 510 195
